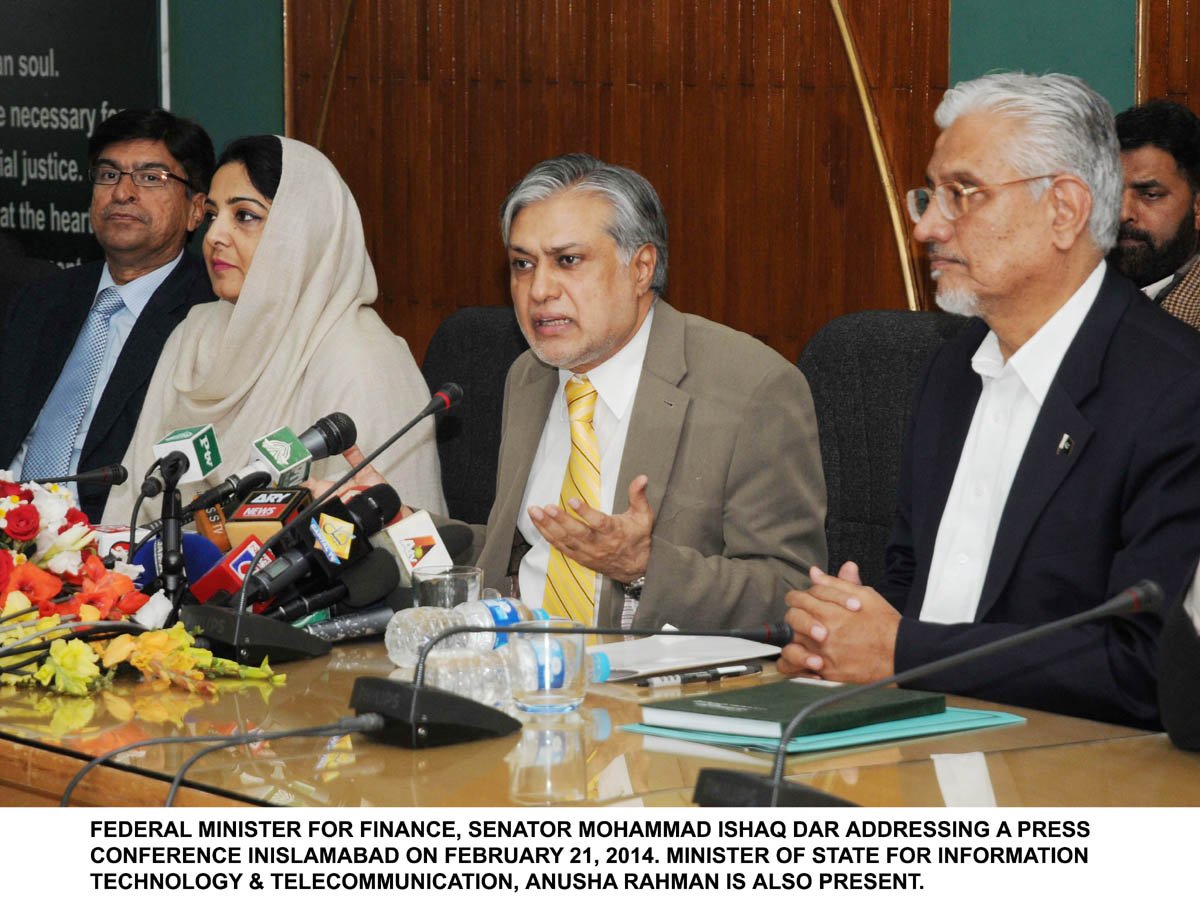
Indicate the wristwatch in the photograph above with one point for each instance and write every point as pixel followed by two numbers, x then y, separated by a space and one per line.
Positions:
pixel 634 589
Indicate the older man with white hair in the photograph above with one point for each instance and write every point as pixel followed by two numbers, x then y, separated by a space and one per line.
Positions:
pixel 1054 450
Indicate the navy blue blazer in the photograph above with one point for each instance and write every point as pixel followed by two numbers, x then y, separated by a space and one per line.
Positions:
pixel 1123 504
pixel 45 318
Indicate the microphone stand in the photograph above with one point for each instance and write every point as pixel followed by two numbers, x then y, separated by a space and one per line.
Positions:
pixel 439 402
pixel 172 573
pixel 423 716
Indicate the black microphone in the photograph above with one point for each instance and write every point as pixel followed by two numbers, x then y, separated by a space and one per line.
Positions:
pixel 111 475
pixel 368 512
pixel 261 641
pixel 369 622
pixel 447 397
pixel 362 584
pixel 730 788
pixel 330 435
pixel 422 716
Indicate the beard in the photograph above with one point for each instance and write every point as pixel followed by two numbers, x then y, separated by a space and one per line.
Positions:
pixel 1145 262
pixel 959 302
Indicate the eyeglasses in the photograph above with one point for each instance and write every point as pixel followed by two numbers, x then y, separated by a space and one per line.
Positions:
pixel 952 197
pixel 107 176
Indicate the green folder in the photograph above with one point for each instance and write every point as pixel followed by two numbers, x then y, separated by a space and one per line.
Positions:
pixel 950 721
pixel 763 711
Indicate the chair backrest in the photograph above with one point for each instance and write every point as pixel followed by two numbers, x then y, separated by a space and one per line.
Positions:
pixel 473 347
pixel 862 368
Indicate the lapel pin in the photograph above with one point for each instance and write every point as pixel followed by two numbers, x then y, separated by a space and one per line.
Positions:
pixel 1065 445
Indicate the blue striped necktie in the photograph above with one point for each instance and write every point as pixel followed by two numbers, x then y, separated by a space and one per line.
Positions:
pixel 53 439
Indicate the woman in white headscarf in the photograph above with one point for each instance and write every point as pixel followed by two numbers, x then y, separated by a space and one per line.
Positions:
pixel 293 337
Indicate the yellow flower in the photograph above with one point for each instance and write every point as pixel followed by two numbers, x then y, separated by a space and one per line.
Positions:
pixel 16 603
pixel 72 714
pixel 71 665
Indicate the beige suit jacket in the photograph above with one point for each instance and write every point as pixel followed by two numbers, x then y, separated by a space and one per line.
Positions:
pixel 725 430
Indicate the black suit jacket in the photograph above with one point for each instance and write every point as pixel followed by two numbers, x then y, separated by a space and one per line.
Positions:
pixel 1121 505
pixel 1179 678
pixel 43 322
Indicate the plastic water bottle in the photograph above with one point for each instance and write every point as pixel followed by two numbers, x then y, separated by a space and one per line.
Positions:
pixel 409 630
pixel 489 677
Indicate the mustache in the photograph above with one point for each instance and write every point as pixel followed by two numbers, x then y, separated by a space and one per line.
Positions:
pixel 114 208
pixel 1127 233
pixel 933 250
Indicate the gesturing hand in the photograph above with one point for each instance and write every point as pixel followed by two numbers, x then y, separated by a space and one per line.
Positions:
pixel 616 546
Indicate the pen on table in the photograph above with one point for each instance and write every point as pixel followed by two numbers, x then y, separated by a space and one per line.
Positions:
pixel 716 673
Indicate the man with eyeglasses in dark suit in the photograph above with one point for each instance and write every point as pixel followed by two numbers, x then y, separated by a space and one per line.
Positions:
pixel 1053 454
pixel 79 348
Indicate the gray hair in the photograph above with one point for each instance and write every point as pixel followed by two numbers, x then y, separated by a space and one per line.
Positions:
pixel 637 213
pixel 1069 129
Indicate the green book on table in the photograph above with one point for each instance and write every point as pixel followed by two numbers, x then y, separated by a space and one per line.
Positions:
pixel 763 711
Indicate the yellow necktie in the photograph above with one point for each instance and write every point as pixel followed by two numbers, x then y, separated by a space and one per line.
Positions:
pixel 570 587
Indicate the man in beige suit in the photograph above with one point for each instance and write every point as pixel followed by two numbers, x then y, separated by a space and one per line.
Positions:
pixel 691 491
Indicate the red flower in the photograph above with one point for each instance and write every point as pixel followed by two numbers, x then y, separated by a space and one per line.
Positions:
pixel 22 523
pixel 74 517
pixel 66 609
pixel 9 489
pixel 6 568
pixel 37 584
pixel 110 593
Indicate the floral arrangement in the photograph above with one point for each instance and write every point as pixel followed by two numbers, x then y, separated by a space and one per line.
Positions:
pixel 65 617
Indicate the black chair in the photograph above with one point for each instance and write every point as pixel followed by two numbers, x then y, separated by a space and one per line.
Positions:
pixel 862 368
pixel 473 347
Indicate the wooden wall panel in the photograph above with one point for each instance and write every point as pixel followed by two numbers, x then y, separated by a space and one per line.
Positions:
pixel 742 113
pixel 1169 51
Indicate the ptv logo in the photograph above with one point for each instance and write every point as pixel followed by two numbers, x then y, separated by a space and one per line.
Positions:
pixel 206 454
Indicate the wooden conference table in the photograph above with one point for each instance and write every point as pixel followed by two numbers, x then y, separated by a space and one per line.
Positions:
pixel 584 757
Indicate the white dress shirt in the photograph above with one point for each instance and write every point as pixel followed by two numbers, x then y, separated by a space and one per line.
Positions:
pixel 616 383
pixel 1191 601
pixel 135 295
pixel 1154 289
pixel 1007 409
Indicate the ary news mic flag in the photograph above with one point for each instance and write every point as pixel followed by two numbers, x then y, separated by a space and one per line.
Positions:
pixel 198 445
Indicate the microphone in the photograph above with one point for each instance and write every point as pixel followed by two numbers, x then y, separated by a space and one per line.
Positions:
pixel 246 638
pixel 110 475
pixel 200 555
pixel 371 579
pixel 229 573
pixel 282 459
pixel 330 435
pixel 730 788
pixel 423 716
pixel 189 454
pixel 447 397
pixel 370 622
pixel 337 539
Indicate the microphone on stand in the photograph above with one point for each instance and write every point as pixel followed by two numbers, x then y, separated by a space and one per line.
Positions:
pixel 275 461
pixel 363 584
pixel 230 630
pixel 422 716
pixel 111 475
pixel 731 788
